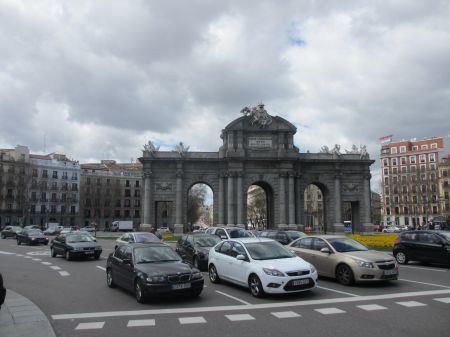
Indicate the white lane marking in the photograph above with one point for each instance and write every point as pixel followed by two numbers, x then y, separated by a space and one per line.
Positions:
pixel 371 307
pixel 192 320
pixel 37 260
pixel 411 304
pixel 141 322
pixel 39 252
pixel 337 291
pixel 102 268
pixel 64 273
pixel 240 317
pixel 426 283
pixel 55 267
pixel 89 326
pixel 234 298
pixel 46 263
pixel 19 254
pixel 8 253
pixel 330 311
pixel 301 303
pixel 285 314
pixel 422 268
pixel 28 257
pixel 443 300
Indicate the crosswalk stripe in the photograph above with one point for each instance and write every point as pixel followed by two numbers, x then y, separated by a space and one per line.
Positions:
pixel 330 311
pixel 240 317
pixel 89 326
pixel 411 304
pixel 141 322
pixel 443 299
pixel 371 307
pixel 285 314
pixel 191 320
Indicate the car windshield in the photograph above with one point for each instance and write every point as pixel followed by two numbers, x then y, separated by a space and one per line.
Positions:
pixel 294 235
pixel 146 237
pixel 79 238
pixel 207 241
pixel 34 232
pixel 155 254
pixel 446 235
pixel 268 251
pixel 343 245
pixel 238 233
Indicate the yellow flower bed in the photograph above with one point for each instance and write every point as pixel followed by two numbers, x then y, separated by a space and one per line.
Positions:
pixel 376 240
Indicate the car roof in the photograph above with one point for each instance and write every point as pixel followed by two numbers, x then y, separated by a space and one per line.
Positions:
pixel 326 236
pixel 148 244
pixel 251 240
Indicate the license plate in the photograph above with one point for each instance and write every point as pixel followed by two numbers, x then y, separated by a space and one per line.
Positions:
pixel 89 253
pixel 390 272
pixel 181 286
pixel 300 282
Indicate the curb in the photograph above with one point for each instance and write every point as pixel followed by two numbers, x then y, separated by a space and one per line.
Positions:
pixel 19 317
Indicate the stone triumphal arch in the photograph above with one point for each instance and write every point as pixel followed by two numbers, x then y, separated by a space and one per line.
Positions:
pixel 258 149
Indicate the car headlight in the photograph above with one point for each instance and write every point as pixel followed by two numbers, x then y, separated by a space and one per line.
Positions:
pixel 197 275
pixel 33 238
pixel 363 264
pixel 312 268
pixel 156 279
pixel 273 272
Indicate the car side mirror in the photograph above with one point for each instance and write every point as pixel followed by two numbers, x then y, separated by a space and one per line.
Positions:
pixel 127 261
pixel 241 257
pixel 325 250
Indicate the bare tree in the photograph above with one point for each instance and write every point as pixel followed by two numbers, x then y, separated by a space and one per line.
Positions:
pixel 196 199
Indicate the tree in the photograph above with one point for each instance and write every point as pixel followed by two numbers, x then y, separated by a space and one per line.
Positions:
pixel 196 200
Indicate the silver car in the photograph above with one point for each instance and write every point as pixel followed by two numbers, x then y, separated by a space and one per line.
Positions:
pixel 139 237
pixel 345 259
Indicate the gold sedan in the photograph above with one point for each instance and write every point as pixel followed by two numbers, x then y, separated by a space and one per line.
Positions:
pixel 345 259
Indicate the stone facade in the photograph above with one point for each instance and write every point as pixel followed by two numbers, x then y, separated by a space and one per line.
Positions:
pixel 261 154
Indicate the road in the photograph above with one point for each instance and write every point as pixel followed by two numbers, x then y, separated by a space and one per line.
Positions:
pixel 77 301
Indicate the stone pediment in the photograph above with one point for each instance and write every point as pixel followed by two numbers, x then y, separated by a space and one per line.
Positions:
pixel 244 123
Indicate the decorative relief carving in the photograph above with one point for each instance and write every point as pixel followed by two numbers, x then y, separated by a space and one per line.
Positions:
pixel 350 187
pixel 163 187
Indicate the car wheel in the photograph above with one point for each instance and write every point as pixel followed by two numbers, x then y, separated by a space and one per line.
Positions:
pixel 3 237
pixel 401 257
pixel 46 243
pixel 139 291
pixel 68 257
pixel 52 252
pixel 109 278
pixel 344 275
pixel 255 285
pixel 213 275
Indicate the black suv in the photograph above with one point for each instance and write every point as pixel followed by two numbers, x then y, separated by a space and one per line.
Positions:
pixel 423 246
pixel 282 236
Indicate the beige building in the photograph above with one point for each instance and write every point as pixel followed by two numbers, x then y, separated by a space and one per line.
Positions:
pixel 110 191
pixel 410 181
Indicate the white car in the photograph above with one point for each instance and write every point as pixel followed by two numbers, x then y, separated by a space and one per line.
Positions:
pixel 391 229
pixel 263 265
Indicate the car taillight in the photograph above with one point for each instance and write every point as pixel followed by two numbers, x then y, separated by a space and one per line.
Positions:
pixel 397 241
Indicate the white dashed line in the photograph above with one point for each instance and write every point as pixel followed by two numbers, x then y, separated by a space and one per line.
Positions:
pixel 411 304
pixel 285 314
pixel 8 253
pixel 371 307
pixel 141 322
pixel 241 317
pixel 426 283
pixel 234 298
pixel 421 268
pixel 37 260
pixel 46 263
pixel 64 273
pixel 443 300
pixel 55 267
pixel 28 257
pixel 192 320
pixel 102 268
pixel 89 326
pixel 330 311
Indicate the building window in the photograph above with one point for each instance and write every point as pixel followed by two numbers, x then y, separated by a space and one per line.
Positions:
pixel 402 149
pixel 72 209
pixel 137 193
pixel 423 168
pixel 412 159
pixel 88 181
pixel 127 203
pixel 386 171
pixel 74 187
pixel 386 181
pixel 137 183
pixel 412 168
pixel 394 170
pixel 422 158
pixel 35 172
pixel 55 175
pixel 432 167
pixel 387 200
pixel 136 213
pixel 126 213
pixel 415 148
pixel 127 183
pixel 444 173
pixel 64 175
pixel 403 160
pixel 385 162
pixel 117 213
pixel 393 150
pixel 137 203
pixel 433 146
pixel 394 161
pixel 74 176
pixel 431 157
pixel 424 147
pixel 127 193
pixel 44 174
pixel 404 169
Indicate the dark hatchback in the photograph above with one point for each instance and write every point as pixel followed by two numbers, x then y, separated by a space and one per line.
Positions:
pixel 11 231
pixel 194 248
pixel 283 237
pixel 423 246
pixel 75 244
pixel 31 237
pixel 151 270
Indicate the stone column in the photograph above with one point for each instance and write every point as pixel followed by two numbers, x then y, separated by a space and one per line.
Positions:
pixel 179 227
pixel 240 202
pixel 221 218
pixel 338 226
pixel 147 201
pixel 230 204
pixel 292 201
pixel 365 210
pixel 282 199
pixel 300 203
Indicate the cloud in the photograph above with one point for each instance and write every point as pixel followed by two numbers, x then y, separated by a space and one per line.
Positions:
pixel 97 79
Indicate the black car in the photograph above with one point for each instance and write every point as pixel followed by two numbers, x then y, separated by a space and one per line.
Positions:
pixel 11 231
pixel 423 246
pixel 31 237
pixel 75 244
pixel 282 236
pixel 194 248
pixel 2 291
pixel 152 270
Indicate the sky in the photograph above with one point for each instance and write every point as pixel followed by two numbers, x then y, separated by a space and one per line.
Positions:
pixel 98 79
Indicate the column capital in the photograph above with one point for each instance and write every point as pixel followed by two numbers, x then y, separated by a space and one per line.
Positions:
pixel 283 174
pixel 148 174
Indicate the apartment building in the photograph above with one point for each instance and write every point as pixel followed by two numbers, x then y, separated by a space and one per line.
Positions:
pixel 110 191
pixel 409 168
pixel 444 188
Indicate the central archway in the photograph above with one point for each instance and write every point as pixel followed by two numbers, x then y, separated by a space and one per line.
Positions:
pixel 260 206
